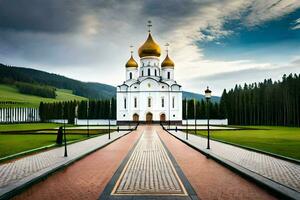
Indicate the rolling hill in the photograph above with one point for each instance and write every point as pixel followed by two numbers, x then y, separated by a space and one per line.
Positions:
pixel 85 89
pixel 10 96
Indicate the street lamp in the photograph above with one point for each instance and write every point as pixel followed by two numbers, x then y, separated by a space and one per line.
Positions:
pixel 186 118
pixel 87 118
pixel 65 138
pixel 195 116
pixel 109 115
pixel 207 96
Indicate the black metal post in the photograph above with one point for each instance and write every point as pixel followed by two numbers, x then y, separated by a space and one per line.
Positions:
pixel 195 117
pixel 109 119
pixel 208 136
pixel 186 118
pixel 65 138
pixel 87 118
pixel 169 110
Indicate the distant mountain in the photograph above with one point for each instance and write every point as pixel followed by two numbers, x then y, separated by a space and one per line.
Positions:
pixel 191 95
pixel 9 74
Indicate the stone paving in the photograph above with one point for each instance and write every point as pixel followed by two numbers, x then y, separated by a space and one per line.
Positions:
pixel 18 172
pixel 280 171
pixel 202 127
pixel 149 170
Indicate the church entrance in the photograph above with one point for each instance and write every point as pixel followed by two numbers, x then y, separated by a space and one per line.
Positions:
pixel 149 117
pixel 135 117
pixel 162 117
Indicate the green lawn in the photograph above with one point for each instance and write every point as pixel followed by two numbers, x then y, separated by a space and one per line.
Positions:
pixel 11 93
pixel 284 141
pixel 27 126
pixel 12 144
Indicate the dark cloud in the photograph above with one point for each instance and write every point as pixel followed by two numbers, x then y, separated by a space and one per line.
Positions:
pixel 39 15
pixel 170 8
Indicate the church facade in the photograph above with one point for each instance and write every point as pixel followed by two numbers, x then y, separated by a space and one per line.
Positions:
pixel 150 92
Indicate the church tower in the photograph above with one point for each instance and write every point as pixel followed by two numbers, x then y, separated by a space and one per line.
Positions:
pixel 131 68
pixel 149 93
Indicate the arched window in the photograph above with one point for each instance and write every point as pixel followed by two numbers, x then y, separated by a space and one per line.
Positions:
pixel 135 102
pixel 162 102
pixel 149 72
pixel 142 73
pixel 125 103
pixel 173 102
pixel 155 73
pixel 169 75
pixel 149 102
pixel 130 75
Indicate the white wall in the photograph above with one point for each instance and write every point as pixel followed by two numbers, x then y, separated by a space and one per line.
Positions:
pixel 204 121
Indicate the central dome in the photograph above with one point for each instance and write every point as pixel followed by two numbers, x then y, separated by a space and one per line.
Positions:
pixel 149 48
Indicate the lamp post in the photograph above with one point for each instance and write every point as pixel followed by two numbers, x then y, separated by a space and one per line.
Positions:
pixel 87 118
pixel 169 110
pixel 207 96
pixel 195 116
pixel 109 119
pixel 65 138
pixel 186 118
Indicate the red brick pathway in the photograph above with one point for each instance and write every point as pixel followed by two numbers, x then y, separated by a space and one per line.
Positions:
pixel 209 179
pixel 86 178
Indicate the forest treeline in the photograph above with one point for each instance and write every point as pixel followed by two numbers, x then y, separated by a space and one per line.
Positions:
pixel 199 110
pixel 264 103
pixel 99 109
pixel 92 109
pixel 34 89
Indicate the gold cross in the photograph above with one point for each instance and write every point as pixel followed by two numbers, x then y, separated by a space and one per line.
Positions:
pixel 149 25
pixel 131 49
pixel 167 47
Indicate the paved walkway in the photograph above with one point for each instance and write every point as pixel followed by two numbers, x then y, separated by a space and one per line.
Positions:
pixel 280 171
pixel 19 172
pixel 86 178
pixel 153 159
pixel 209 179
pixel 148 171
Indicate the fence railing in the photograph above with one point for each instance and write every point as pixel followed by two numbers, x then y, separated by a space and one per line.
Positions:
pixel 19 114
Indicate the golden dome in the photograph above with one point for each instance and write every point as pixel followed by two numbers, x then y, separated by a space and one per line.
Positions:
pixel 149 48
pixel 131 63
pixel 167 62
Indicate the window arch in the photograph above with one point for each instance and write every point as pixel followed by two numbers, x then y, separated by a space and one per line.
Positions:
pixel 149 72
pixel 125 102
pixel 169 75
pixel 130 75
pixel 142 73
pixel 155 72
pixel 162 102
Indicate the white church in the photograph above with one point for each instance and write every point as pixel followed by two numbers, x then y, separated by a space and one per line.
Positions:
pixel 149 93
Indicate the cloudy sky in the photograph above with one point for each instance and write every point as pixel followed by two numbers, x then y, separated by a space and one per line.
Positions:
pixel 213 42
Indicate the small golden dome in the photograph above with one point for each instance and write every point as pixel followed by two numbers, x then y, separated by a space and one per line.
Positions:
pixel 167 62
pixel 149 48
pixel 131 63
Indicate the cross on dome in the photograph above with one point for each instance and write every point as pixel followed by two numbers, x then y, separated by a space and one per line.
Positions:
pixel 131 62
pixel 167 47
pixel 167 63
pixel 149 25
pixel 131 49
